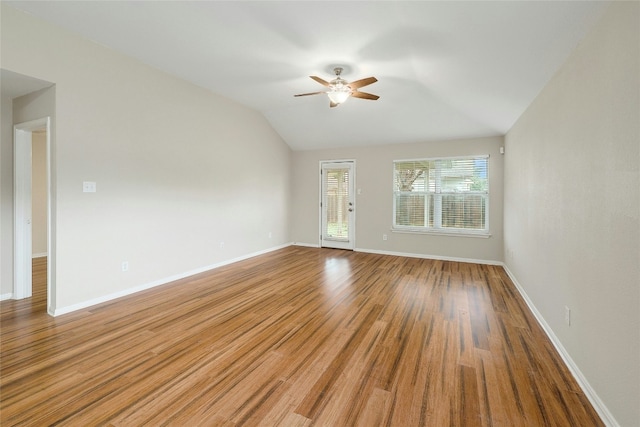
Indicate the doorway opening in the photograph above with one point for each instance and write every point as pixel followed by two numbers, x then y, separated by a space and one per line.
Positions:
pixel 32 210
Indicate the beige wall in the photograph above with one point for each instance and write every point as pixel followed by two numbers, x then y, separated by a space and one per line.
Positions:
pixel 572 223
pixel 374 206
pixel 39 193
pixel 178 169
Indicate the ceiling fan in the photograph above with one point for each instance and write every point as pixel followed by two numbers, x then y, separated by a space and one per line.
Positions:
pixel 340 90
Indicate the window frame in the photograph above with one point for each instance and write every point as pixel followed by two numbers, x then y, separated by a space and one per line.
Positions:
pixel 446 231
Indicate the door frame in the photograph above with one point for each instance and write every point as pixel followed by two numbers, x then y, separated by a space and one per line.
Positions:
pixel 22 226
pixel 351 245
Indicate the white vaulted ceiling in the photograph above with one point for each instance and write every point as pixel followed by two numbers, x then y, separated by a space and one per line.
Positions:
pixel 445 69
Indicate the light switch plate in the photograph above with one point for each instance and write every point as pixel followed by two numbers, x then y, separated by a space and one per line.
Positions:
pixel 88 187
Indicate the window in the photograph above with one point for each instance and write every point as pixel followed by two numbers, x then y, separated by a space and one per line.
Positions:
pixel 449 195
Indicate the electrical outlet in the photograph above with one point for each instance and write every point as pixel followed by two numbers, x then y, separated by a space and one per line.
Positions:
pixel 221 245
pixel 270 235
pixel 125 265
pixel 384 237
pixel 567 315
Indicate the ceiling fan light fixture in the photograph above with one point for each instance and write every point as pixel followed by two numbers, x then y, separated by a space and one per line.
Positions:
pixel 338 96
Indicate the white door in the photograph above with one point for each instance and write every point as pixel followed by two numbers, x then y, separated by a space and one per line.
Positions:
pixel 22 206
pixel 337 207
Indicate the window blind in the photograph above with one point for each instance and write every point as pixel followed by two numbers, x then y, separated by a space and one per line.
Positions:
pixel 447 194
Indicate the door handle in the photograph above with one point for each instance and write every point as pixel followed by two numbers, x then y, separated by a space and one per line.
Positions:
pixel 350 210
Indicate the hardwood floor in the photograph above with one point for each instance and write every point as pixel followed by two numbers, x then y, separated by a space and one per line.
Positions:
pixel 296 337
pixel 37 303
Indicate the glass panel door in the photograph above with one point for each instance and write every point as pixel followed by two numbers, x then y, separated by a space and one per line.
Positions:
pixel 337 205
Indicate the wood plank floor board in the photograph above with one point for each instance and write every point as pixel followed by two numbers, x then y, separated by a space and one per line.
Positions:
pixel 295 337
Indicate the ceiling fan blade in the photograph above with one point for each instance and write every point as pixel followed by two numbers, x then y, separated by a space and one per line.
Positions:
pixel 362 82
pixel 333 104
pixel 364 95
pixel 321 81
pixel 310 93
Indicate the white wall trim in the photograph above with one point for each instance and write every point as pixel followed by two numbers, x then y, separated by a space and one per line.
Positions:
pixel 166 280
pixel 6 296
pixel 306 245
pixel 593 397
pixel 412 255
pixel 426 256
pixel 40 255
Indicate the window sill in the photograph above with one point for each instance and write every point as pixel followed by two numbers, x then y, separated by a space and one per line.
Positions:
pixel 461 233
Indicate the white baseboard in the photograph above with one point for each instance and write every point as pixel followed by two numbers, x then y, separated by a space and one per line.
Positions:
pixel 412 255
pixel 40 255
pixel 595 400
pixel 164 281
pixel 6 296
pixel 425 256
pixel 306 245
